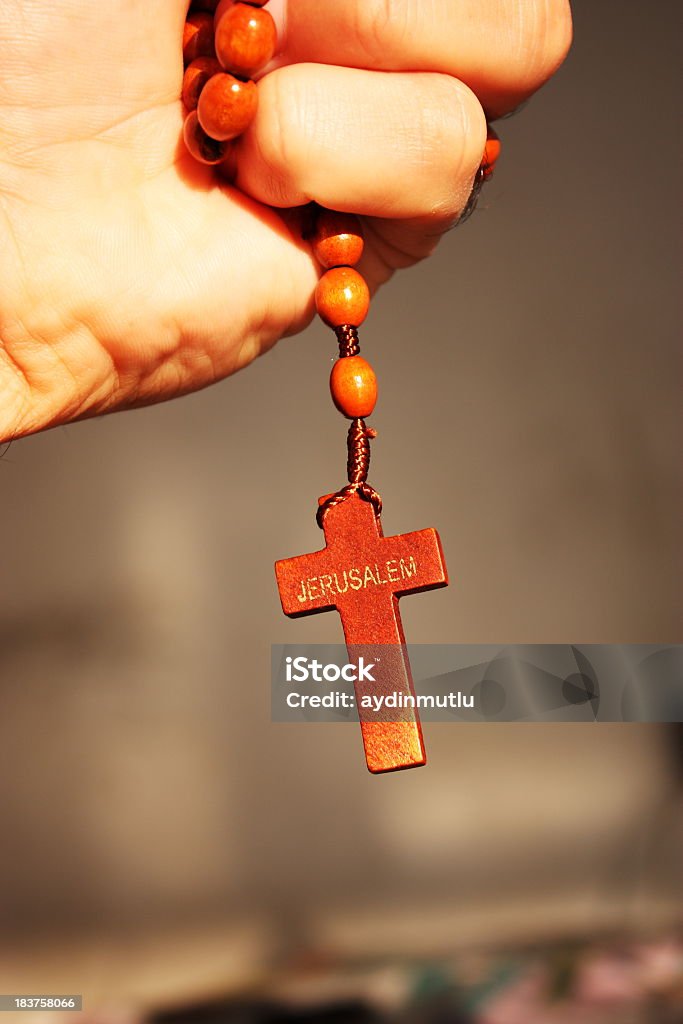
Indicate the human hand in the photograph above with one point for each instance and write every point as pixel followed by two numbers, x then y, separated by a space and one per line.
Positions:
pixel 130 274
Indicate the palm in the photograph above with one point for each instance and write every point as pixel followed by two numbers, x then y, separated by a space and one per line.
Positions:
pixel 166 280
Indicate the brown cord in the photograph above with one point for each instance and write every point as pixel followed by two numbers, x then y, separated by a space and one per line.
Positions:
pixel 347 337
pixel 358 465
pixel 358 443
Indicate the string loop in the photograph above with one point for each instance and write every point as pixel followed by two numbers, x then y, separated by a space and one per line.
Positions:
pixel 358 466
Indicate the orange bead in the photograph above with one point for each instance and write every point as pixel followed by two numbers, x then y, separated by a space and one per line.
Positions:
pixel 201 146
pixel 227 106
pixel 198 36
pixel 246 39
pixel 354 387
pixel 195 78
pixel 342 297
pixel 491 153
pixel 338 239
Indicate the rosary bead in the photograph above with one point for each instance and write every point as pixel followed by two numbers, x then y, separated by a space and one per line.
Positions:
pixel 342 297
pixel 195 78
pixel 227 106
pixel 198 37
pixel 338 239
pixel 354 387
pixel 246 38
pixel 491 153
pixel 200 145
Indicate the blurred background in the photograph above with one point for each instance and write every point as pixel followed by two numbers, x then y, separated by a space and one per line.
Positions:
pixel 167 850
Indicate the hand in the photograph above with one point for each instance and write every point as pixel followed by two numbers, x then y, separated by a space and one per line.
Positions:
pixel 129 274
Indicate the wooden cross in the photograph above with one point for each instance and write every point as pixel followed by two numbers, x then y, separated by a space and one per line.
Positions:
pixel 362 574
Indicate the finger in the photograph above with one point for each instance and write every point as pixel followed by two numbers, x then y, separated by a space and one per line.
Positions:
pixel 378 144
pixel 502 49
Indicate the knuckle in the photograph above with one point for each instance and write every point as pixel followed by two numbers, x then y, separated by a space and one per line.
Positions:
pixel 374 22
pixel 542 38
pixel 467 125
pixel 453 134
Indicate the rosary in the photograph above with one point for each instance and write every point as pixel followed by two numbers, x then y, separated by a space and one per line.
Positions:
pixel 360 572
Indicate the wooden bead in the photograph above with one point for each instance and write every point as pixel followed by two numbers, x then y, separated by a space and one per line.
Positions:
pixel 201 146
pixel 227 106
pixel 246 39
pixel 195 78
pixel 198 36
pixel 338 239
pixel 354 387
pixel 491 153
pixel 342 297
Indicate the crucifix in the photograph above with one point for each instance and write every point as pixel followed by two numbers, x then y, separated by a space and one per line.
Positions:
pixel 362 574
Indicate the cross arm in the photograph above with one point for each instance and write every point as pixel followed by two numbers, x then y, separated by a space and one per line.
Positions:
pixel 417 558
pixel 302 582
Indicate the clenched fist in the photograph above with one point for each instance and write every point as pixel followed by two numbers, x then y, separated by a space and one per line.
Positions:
pixel 130 274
